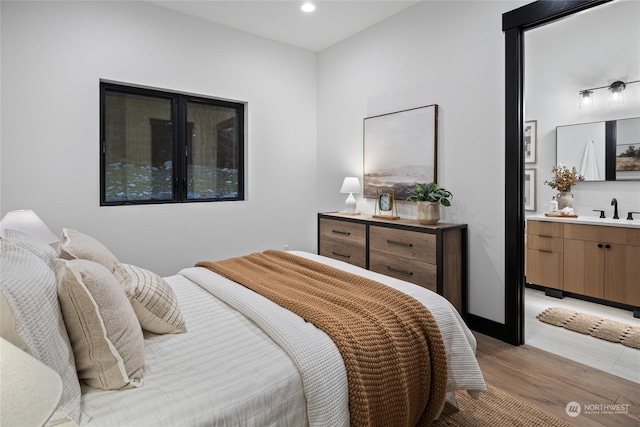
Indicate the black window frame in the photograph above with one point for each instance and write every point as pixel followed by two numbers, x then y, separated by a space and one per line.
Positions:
pixel 179 150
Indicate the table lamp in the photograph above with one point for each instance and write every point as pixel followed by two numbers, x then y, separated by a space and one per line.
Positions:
pixel 28 222
pixel 351 184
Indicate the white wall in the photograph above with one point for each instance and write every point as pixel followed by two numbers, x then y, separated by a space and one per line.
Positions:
pixel 445 53
pixel 588 50
pixel 53 56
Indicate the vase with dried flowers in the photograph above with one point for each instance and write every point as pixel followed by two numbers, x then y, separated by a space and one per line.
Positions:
pixel 563 180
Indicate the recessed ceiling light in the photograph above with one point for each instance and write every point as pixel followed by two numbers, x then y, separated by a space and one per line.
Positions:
pixel 308 7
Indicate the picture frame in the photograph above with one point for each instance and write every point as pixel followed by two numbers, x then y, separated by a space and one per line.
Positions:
pixel 530 141
pixel 400 151
pixel 529 190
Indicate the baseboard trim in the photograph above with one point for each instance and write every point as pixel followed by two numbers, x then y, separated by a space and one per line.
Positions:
pixel 488 327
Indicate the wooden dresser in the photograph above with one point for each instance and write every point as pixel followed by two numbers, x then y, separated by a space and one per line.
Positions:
pixel 432 256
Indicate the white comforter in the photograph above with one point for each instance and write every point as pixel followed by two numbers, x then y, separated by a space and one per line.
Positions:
pixel 231 367
pixel 316 356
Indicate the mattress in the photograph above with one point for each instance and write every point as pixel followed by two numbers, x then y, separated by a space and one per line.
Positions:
pixel 225 371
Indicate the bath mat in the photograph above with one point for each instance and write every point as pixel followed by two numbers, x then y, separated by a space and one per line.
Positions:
pixel 588 324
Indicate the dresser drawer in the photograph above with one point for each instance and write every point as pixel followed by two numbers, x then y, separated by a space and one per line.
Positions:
pixel 545 243
pixel 343 232
pixel 420 273
pixel 408 244
pixel 353 254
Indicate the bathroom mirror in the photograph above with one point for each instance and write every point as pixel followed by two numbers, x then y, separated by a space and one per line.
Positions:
pixel 607 150
pixel 627 146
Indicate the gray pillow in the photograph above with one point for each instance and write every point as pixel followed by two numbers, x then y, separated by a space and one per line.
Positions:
pixel 36 246
pixel 31 320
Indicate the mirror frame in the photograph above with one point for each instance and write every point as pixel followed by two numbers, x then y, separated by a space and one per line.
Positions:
pixel 514 24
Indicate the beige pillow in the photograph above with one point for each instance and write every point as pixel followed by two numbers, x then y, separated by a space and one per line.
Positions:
pixel 152 299
pixel 104 332
pixel 76 245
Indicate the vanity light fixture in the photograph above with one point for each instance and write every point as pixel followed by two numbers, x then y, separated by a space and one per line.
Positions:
pixel 308 7
pixel 586 99
pixel 616 93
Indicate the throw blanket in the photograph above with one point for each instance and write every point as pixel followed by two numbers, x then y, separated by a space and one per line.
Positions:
pixel 390 343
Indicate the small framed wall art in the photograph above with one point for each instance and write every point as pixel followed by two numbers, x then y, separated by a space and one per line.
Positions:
pixel 530 141
pixel 530 190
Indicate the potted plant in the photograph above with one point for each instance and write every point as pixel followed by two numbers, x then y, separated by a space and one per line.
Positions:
pixel 429 198
pixel 563 180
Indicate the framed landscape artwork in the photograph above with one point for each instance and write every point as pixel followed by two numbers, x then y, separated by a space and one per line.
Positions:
pixel 400 151
pixel 530 190
pixel 530 140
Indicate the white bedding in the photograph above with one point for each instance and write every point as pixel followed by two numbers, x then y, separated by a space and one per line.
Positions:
pixel 223 372
pixel 198 384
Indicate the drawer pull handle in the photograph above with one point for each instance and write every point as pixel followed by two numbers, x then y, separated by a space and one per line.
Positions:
pixel 408 273
pixel 394 242
pixel 340 255
pixel 344 233
pixel 607 246
pixel 545 251
pixel 599 245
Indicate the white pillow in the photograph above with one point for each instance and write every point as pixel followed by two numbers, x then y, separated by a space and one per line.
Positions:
pixel 31 310
pixel 152 299
pixel 105 334
pixel 36 246
pixel 76 245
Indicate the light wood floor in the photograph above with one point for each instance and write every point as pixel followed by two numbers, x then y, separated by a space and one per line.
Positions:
pixel 550 382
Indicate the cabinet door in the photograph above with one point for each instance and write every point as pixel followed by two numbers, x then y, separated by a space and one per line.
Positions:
pixel 545 268
pixel 622 274
pixel 584 267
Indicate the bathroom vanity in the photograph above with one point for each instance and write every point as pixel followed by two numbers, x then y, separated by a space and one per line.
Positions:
pixel 586 257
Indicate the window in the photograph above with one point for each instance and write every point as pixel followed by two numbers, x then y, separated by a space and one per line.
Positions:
pixel 163 147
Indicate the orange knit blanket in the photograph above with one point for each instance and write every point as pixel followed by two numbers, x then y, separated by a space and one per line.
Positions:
pixel 390 343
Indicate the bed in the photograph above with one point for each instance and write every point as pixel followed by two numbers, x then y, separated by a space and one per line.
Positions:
pixel 242 361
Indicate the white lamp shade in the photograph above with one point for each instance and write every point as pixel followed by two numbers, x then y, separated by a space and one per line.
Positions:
pixel 28 222
pixel 351 184
pixel 29 389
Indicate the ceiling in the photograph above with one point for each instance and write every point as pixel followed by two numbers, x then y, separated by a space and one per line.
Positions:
pixel 283 21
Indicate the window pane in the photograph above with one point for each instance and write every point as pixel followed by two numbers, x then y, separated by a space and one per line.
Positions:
pixel 213 152
pixel 138 148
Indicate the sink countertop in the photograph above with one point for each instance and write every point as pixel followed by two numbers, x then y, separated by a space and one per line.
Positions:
pixel 589 220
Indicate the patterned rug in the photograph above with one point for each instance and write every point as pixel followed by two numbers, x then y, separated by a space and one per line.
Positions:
pixel 588 324
pixel 494 408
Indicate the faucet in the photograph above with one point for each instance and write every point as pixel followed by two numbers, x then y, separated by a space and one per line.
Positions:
pixel 614 203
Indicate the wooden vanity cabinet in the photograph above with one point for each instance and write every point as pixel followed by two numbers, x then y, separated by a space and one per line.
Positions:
pixel 545 254
pixel 432 256
pixel 592 260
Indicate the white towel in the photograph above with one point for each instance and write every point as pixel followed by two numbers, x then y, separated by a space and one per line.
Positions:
pixel 589 167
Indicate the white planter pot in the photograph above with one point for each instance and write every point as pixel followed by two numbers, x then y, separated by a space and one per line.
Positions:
pixel 428 213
